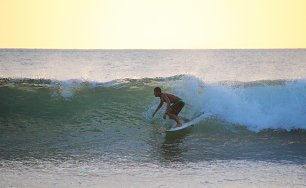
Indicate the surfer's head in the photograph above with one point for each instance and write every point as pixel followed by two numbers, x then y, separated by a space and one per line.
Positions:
pixel 157 91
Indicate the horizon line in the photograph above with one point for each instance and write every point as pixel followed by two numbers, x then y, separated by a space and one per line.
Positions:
pixel 153 49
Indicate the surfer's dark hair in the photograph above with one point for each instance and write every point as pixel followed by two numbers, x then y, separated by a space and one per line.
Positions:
pixel 157 89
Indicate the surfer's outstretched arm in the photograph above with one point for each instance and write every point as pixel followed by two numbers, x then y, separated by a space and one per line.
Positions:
pixel 159 106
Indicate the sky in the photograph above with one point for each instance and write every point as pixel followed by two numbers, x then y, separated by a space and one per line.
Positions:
pixel 153 24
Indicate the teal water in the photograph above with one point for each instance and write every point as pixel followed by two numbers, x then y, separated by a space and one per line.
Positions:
pixel 40 120
pixel 82 132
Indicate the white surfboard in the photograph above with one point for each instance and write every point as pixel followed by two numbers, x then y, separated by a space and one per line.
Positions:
pixel 192 122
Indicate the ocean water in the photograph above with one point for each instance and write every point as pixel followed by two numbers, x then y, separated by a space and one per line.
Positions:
pixel 82 118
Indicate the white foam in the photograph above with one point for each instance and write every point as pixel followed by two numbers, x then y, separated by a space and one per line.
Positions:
pixel 260 106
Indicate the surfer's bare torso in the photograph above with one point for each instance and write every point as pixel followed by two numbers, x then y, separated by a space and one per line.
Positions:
pixel 167 97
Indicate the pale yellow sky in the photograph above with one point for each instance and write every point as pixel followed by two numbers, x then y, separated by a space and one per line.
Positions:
pixel 152 24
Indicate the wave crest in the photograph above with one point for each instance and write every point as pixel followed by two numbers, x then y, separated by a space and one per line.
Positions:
pixel 258 105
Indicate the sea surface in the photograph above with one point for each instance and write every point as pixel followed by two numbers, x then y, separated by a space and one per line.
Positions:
pixel 83 118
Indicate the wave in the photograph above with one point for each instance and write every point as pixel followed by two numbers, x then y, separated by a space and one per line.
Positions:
pixel 258 105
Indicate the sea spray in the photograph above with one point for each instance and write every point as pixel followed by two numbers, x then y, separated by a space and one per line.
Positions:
pixel 259 105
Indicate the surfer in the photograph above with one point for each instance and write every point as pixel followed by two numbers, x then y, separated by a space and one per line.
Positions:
pixel 174 105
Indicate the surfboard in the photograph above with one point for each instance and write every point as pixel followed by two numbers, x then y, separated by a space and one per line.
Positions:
pixel 189 123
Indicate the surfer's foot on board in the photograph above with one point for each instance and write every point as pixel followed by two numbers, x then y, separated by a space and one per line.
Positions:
pixel 186 120
pixel 179 124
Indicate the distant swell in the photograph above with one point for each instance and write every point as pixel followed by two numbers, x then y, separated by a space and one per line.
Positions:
pixel 259 105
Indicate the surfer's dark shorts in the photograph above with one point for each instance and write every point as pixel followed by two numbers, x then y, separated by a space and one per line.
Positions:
pixel 177 107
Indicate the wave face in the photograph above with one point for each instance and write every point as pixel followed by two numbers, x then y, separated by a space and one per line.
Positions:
pixel 259 105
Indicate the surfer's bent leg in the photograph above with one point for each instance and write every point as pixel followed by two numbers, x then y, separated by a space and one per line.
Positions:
pixel 174 110
pixel 175 118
